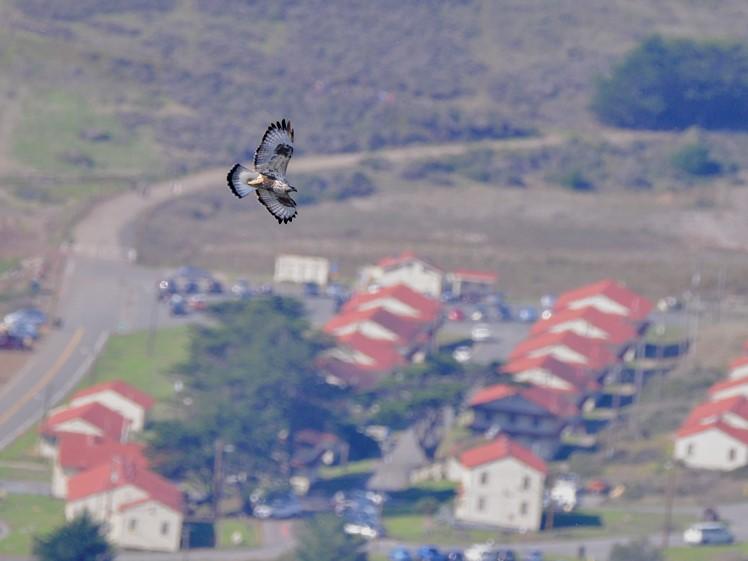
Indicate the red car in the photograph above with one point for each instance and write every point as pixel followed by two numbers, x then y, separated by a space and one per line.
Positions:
pixel 455 314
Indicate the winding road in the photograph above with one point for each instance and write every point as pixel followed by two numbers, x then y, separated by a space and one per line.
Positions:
pixel 104 290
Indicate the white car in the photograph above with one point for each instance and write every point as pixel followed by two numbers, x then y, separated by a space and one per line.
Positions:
pixel 704 533
pixel 462 354
pixel 480 332
pixel 476 551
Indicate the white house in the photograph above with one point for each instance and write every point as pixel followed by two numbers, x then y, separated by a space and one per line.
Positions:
pixel 406 269
pixel 92 419
pixel 467 284
pixel 397 299
pixel 501 484
pixel 715 446
pixel 738 368
pixel 80 452
pixel 141 509
pixel 731 410
pixel 301 269
pixel 607 296
pixel 118 396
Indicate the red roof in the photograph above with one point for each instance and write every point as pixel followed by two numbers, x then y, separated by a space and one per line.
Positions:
pixel 427 308
pixel 111 423
pixel 383 353
pixel 406 330
pixel 618 330
pixel 638 306
pixel 737 405
pixel 350 374
pixel 475 276
pixel 499 449
pixel 402 259
pixel 555 402
pixel 595 352
pixel 119 472
pixel 691 429
pixel 739 362
pixel 122 388
pixel 82 451
pixel 577 376
pixel 727 384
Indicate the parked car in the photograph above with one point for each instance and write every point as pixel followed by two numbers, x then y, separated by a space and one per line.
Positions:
pixel 455 555
pixel 462 354
pixel 362 525
pixel 241 289
pixel 286 506
pixel 400 554
pixel 534 555
pixel 475 552
pixel 500 555
pixel 429 553
pixel 33 316
pixel 480 332
pixel 215 287
pixel 311 289
pixel 455 314
pixel 708 533
pixel 197 302
pixel 178 305
pixel 527 314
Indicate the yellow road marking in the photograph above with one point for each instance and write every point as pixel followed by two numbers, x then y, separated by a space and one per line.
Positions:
pixel 44 380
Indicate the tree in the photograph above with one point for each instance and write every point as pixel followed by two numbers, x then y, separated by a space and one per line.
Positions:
pixel 635 551
pixel 696 160
pixel 677 83
pixel 81 539
pixel 253 384
pixel 322 539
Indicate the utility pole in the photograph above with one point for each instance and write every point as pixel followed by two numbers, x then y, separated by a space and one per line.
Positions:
pixel 217 478
pixel 669 495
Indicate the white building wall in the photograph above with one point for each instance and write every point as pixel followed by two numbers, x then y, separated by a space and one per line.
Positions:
pixel 581 328
pixel 542 377
pixel 415 274
pixel 301 269
pixel 59 481
pixel 149 526
pixel 510 496
pixel 102 505
pixel 130 410
pixel 711 449
pixel 78 426
pixel 392 305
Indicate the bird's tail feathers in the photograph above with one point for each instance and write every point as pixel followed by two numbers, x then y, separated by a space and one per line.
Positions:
pixel 238 179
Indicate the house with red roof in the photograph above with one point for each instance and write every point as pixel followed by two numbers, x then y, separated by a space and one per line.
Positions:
pixel 468 284
pixel 533 416
pixel 130 402
pixel 548 372
pixel 732 411
pixel 79 452
pixel 567 347
pixel 738 368
pixel 588 322
pixel 399 300
pixel 729 388
pixel 607 296
pixel 91 419
pixel 359 361
pixel 141 509
pixel 501 484
pixel 406 268
pixel 714 445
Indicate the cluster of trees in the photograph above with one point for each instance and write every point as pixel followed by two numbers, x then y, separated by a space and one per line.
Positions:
pixel 669 84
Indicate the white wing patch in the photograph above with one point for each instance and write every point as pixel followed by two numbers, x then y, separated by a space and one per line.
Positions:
pixel 238 178
pixel 275 150
pixel 282 208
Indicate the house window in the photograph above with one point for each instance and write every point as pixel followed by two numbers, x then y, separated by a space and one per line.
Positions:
pixel 484 478
pixel 481 503
pixel 512 418
pixel 164 528
pixel 523 509
pixel 690 449
pixel 732 454
pixel 526 482
pixel 132 524
pixel 536 422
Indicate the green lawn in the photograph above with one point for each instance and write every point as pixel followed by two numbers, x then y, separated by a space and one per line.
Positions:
pixel 708 553
pixel 27 516
pixel 248 528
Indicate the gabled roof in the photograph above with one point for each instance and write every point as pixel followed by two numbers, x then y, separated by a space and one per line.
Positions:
pixel 402 259
pixel 740 362
pixel 111 423
pixel 406 330
pixel 596 352
pixel 119 472
pixel 736 405
pixel 499 449
pixel 553 401
pixel 577 376
pixel 383 353
pixel 696 428
pixel 82 451
pixel 638 306
pixel 618 330
pixel 122 388
pixel 427 308
pixel 350 374
pixel 475 276
pixel 727 384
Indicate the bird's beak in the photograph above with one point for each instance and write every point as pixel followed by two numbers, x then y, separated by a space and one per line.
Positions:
pixel 294 189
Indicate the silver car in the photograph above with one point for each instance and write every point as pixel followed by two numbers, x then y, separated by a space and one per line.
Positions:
pixel 708 533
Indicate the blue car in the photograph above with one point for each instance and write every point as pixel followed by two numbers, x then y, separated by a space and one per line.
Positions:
pixel 429 553
pixel 400 554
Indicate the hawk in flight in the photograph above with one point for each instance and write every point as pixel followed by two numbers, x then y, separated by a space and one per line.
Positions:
pixel 270 184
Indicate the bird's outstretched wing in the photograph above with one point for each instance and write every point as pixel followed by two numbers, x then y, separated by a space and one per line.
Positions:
pixel 238 179
pixel 275 150
pixel 282 208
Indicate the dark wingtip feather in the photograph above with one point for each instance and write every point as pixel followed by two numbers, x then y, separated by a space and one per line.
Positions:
pixel 229 175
